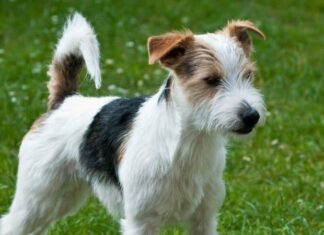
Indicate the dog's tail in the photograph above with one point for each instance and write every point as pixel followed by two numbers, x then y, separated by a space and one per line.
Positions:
pixel 78 44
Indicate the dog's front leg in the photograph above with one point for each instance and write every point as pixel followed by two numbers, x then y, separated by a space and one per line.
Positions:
pixel 204 221
pixel 138 227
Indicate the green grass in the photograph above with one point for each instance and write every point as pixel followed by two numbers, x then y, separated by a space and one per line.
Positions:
pixel 275 181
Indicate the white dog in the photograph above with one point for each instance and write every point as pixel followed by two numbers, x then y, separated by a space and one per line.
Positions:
pixel 152 161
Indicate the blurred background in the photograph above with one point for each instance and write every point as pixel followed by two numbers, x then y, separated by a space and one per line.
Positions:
pixel 275 180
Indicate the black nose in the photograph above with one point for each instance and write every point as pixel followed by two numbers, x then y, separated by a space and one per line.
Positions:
pixel 250 117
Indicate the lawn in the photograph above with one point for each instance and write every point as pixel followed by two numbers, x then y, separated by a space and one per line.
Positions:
pixel 275 180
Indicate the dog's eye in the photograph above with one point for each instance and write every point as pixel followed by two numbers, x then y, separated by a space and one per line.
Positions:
pixel 213 80
pixel 248 75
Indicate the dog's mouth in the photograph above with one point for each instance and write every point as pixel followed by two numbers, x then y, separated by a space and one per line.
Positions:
pixel 243 131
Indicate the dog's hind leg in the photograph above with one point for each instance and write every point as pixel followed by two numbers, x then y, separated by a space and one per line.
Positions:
pixel 48 188
pixel 40 199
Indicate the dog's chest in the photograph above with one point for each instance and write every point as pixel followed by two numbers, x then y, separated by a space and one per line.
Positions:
pixel 181 190
pixel 179 197
pixel 168 180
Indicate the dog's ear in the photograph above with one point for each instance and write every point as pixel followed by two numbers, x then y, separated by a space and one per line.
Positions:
pixel 168 48
pixel 239 30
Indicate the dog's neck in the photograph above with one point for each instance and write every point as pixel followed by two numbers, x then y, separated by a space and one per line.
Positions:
pixel 174 134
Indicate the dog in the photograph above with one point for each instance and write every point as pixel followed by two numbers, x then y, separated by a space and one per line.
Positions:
pixel 152 161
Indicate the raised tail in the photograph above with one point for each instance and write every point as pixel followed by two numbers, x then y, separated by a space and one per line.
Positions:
pixel 78 44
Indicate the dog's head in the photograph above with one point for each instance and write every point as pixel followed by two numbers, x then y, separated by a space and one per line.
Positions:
pixel 212 76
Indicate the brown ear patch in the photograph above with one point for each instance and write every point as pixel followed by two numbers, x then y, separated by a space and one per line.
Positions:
pixel 239 30
pixel 168 47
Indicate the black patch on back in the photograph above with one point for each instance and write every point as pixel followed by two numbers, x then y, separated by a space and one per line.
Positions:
pixel 101 142
pixel 165 95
